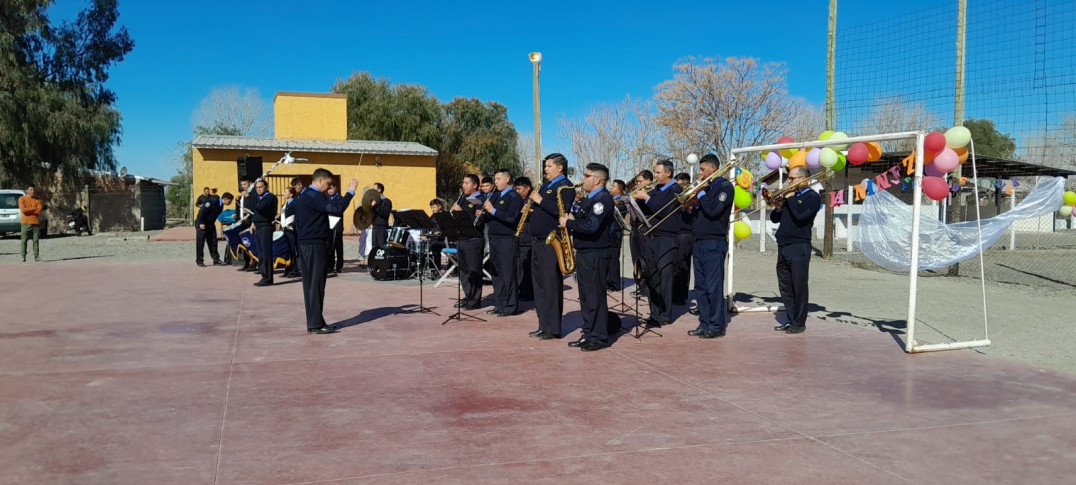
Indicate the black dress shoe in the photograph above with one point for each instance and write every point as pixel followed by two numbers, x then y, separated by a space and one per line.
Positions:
pixel 694 333
pixel 535 333
pixel 507 314
pixel 590 346
pixel 472 307
pixel 332 274
pixel 244 268
pixel 493 312
pixel 200 265
pixel 323 330
pixel 577 343
pixel 796 329
pixel 693 310
pixel 459 304
pixel 711 334
pixel 252 269
pixel 217 262
pixel 783 327
pixel 263 283
pixel 547 336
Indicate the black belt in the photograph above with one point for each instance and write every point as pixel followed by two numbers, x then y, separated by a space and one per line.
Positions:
pixel 781 245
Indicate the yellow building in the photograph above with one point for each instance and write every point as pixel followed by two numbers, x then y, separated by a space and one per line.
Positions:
pixel 314 127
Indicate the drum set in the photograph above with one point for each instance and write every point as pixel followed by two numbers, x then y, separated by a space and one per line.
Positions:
pixel 406 253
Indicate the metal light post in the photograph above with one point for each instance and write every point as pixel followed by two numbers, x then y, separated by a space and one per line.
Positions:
pixel 536 61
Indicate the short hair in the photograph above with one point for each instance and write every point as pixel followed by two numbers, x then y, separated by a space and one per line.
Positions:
pixel 667 165
pixel 227 196
pixel 506 172
pixel 558 160
pixel 437 202
pixel 205 188
pixel 620 185
pixel 246 179
pixel 296 181
pixel 646 175
pixel 322 173
pixel 523 182
pixel 683 177
pixel 600 170
pixel 487 179
pixel 472 177
pixel 380 187
pixel 711 159
pixel 31 186
pixel 262 181
pixel 802 171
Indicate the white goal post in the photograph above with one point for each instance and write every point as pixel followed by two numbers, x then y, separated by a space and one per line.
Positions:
pixel 910 344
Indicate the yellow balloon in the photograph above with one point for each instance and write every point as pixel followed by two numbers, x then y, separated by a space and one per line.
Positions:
pixel 741 230
pixel 744 178
pixel 825 135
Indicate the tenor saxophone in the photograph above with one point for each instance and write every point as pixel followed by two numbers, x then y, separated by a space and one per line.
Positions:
pixel 561 240
pixel 523 217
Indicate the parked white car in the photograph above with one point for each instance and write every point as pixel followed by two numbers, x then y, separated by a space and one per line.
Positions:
pixel 10 218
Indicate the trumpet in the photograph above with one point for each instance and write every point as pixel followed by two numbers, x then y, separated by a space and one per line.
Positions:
pixel 688 194
pixel 774 198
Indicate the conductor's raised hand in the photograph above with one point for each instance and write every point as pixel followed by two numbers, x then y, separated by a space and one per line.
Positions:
pixel 353 184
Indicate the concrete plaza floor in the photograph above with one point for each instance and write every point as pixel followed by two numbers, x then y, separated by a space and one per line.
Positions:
pixel 163 372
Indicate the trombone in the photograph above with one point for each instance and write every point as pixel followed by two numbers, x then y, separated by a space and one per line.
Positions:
pixel 772 198
pixel 683 198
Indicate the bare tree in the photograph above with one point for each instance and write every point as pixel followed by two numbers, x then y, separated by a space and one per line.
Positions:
pixel 716 106
pixel 525 151
pixel 226 109
pixel 1053 148
pixel 622 136
pixel 892 115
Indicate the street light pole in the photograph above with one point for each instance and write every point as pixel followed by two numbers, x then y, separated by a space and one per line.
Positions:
pixel 536 61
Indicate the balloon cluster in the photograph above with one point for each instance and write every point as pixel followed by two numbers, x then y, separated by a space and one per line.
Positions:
pixel 1070 202
pixel 941 158
pixel 833 157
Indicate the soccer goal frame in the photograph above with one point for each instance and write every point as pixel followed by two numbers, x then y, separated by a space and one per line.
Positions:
pixel 910 343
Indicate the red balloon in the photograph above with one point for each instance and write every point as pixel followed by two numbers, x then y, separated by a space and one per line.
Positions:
pixel 858 154
pixel 935 187
pixel 934 142
pixel 789 139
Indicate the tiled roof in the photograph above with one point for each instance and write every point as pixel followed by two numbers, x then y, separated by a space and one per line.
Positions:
pixel 312 146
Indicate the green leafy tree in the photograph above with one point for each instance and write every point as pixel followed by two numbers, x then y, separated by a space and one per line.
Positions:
pixel 377 110
pixel 475 135
pixel 56 116
pixel 988 140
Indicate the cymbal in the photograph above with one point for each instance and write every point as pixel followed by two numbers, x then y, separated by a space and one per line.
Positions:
pixel 364 214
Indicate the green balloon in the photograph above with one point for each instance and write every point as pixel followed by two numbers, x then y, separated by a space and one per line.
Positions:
pixel 827 157
pixel 1070 197
pixel 957 137
pixel 742 198
pixel 841 162
pixel 741 230
pixel 1065 211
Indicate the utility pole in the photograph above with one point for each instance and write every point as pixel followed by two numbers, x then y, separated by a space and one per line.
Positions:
pixel 831 119
pixel 956 207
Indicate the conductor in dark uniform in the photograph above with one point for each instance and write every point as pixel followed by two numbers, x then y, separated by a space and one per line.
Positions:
pixel 336 242
pixel 205 225
pixel 547 278
pixel 710 226
pixel 501 214
pixel 382 211
pixel 795 213
pixel 312 211
pixel 591 236
pixel 470 249
pixel 661 246
pixel 263 217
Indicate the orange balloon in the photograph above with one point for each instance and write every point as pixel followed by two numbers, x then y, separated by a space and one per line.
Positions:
pixel 874 151
pixel 798 159
pixel 929 156
pixel 962 152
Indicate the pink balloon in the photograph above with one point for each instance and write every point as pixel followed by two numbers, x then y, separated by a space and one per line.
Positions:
pixel 858 153
pixel 935 188
pixel 812 158
pixel 785 139
pixel 773 161
pixel 934 142
pixel 947 160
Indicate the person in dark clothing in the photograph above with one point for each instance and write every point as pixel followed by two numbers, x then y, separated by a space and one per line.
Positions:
pixel 636 241
pixel 618 191
pixel 545 271
pixel 382 211
pixel 795 213
pixel 437 242
pixel 242 213
pixel 501 214
pixel 662 242
pixel 263 217
pixel 710 225
pixel 202 198
pixel 336 243
pixel 312 210
pixel 592 238
pixel 205 225
pixel 526 244
pixel 470 250
pixel 684 242
pixel 287 224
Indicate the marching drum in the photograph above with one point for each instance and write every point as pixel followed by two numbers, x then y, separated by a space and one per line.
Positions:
pixel 397 237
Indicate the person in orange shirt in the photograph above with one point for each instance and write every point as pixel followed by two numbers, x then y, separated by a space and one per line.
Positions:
pixel 30 207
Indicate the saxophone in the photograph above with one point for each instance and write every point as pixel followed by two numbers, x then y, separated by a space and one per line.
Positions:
pixel 523 217
pixel 561 240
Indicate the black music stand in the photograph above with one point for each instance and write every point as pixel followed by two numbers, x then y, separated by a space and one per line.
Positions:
pixel 644 276
pixel 453 225
pixel 407 218
pixel 621 305
pixel 427 225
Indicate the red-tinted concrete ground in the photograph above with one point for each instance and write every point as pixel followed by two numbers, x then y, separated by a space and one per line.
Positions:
pixel 169 373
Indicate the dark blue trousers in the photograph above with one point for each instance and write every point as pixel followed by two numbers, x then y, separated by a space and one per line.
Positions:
pixel 793 263
pixel 314 259
pixel 548 288
pixel 709 257
pixel 591 268
pixel 661 253
pixel 264 234
pixel 504 252
pixel 471 251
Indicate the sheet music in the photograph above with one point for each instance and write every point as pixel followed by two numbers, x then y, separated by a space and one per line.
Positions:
pixel 618 219
pixel 636 212
pixel 288 220
pixel 333 221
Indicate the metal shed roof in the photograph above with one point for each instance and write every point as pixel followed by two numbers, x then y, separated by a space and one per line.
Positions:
pixel 313 146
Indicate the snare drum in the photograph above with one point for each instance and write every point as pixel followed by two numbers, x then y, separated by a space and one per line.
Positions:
pixel 397 237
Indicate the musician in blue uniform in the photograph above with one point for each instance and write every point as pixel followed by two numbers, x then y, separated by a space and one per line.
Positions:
pixel 336 242
pixel 710 225
pixel 636 241
pixel 795 212
pixel 685 241
pixel 288 210
pixel 206 228
pixel 592 238
pixel 618 190
pixel 312 211
pixel 545 271
pixel 501 215
pixel 470 250
pixel 382 211
pixel 242 214
pixel 661 246
pixel 526 245
pixel 263 217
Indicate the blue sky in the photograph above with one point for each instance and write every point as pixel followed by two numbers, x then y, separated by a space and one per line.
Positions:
pixel 593 52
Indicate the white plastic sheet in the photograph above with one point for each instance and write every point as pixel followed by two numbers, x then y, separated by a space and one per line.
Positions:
pixel 886 226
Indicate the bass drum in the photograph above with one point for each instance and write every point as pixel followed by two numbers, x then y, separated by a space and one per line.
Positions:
pixel 389 263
